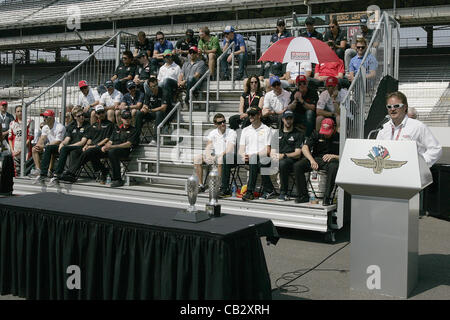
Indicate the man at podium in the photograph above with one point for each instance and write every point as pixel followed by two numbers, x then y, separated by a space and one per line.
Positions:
pixel 401 127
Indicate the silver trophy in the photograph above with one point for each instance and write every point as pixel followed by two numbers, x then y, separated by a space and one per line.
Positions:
pixel 191 214
pixel 213 206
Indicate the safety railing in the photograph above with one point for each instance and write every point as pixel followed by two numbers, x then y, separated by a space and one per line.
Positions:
pixel 206 75
pixel 177 108
pixel 219 59
pixel 98 67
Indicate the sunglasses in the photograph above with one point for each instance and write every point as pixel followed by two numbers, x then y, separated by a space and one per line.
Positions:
pixel 254 82
pixel 394 106
pixel 159 39
pixel 100 112
pixel 360 47
pixel 303 83
pixel 192 52
pixel 252 114
pixel 46 117
pixel 276 84
pixel 79 115
pixel 221 122
pixel 332 27
pixel 226 33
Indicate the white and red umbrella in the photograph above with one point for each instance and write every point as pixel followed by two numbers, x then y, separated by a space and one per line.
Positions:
pixel 299 49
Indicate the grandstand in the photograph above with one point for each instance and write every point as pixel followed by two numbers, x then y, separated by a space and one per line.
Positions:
pixel 154 176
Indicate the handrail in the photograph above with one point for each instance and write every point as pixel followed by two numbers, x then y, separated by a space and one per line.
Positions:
pixel 191 93
pixel 231 46
pixel 158 134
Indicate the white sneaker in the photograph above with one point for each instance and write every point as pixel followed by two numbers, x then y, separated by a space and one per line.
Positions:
pixel 39 179
pixel 152 143
pixel 35 172
pixel 53 181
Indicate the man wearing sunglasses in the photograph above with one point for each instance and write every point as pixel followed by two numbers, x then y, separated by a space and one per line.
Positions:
pixel 240 50
pixel 191 72
pixel 52 134
pixel 401 127
pixel 124 72
pixel 275 103
pixel 161 45
pixel 310 31
pixel 370 63
pixel 328 105
pixel 183 46
pixel 72 144
pixel 168 75
pixel 363 33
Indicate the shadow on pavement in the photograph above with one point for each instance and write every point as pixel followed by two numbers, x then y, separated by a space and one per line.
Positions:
pixel 342 235
pixel 434 271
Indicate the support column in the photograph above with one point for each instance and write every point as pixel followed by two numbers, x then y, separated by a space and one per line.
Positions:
pixel 429 30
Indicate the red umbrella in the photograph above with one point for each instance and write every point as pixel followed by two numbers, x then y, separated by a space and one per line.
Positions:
pixel 298 50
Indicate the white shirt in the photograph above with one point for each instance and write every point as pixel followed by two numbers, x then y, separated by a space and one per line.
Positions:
pixel 276 103
pixel 255 140
pixel 85 101
pixel 110 99
pixel 294 70
pixel 326 103
pixel 172 72
pixel 220 141
pixel 54 134
pixel 413 130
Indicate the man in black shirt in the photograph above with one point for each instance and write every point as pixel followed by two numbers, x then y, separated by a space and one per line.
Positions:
pixel 133 101
pixel 325 156
pixel 118 147
pixel 73 142
pixel 143 44
pixel 303 103
pixel 142 72
pixel 182 47
pixel 97 136
pixel 336 38
pixel 124 72
pixel 310 31
pixel 156 106
pixel 290 142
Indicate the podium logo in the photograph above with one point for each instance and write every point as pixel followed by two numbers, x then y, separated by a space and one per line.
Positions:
pixel 378 160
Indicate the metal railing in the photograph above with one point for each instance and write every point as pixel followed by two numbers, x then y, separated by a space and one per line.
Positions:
pixel 206 75
pixel 95 69
pixel 158 133
pixel 230 47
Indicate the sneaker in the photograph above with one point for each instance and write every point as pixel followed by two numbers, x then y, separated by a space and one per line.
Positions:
pixel 54 181
pixel 152 143
pixel 117 183
pixel 50 174
pixel 102 178
pixel 283 197
pixel 302 199
pixel 201 188
pixel 39 179
pixel 35 173
pixel 224 194
pixel 248 196
pixel 268 195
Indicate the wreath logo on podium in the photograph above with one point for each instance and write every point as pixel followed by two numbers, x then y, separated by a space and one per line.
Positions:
pixel 378 160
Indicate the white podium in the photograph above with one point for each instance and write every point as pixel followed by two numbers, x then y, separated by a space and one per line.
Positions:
pixel 384 179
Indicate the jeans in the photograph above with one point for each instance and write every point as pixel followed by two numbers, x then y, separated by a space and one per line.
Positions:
pixel 286 166
pixel 189 84
pixel 242 57
pixel 169 87
pixel 155 64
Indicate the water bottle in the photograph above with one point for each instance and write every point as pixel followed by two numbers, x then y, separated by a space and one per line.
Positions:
pixel 233 190
pixel 312 199
pixel 108 179
pixel 314 175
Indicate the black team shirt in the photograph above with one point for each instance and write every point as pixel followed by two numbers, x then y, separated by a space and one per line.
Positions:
pixel 99 131
pixel 121 135
pixel 76 133
pixel 320 146
pixel 289 141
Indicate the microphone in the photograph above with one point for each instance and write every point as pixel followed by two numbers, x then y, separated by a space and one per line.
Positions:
pixel 382 122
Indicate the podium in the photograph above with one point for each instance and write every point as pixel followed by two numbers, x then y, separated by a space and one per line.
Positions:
pixel 384 179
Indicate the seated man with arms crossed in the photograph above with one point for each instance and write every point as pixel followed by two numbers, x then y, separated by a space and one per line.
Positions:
pixel 111 100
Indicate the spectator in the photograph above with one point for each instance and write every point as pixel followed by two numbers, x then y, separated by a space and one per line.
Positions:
pixel 251 97
pixel 52 134
pixel 280 32
pixel 269 69
pixel 293 69
pixel 143 44
pixel 240 50
pixel 168 75
pixel 363 33
pixel 220 141
pixel 330 69
pixel 73 143
pixel 183 45
pixel 321 151
pixel 310 31
pixel 328 105
pixel 97 136
pixel 161 46
pixel 68 118
pixel 88 98
pixel 275 103
pixel 412 113
pixel 124 72
pixel 370 63
pixel 143 72
pixel 209 46
pixel 15 139
pixel 111 100
pixel 191 72
pixel 336 38
pixel 290 142
pixel 118 147
pixel 303 104
pixel 5 119
pixel 133 101
pixel 254 149
pixel 156 106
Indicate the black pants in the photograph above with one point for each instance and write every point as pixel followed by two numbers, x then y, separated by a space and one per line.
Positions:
pixel 229 161
pixel 94 155
pixel 236 122
pixel 73 151
pixel 46 157
pixel 287 166
pixel 114 156
pixel 149 116
pixel 255 166
pixel 304 165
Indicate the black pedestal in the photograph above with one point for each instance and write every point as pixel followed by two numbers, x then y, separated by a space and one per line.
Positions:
pixel 436 195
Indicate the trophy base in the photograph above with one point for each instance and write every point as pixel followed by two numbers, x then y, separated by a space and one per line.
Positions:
pixel 194 217
pixel 213 210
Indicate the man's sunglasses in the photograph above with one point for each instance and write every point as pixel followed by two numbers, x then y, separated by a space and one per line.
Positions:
pixel 252 114
pixel 100 112
pixel 159 39
pixel 360 47
pixel 221 122
pixel 276 84
pixel 394 106
pixel 303 83
pixel 79 115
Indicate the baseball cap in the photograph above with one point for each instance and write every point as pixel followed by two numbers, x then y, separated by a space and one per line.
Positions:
pixel 274 79
pixel 288 113
pixel 190 32
pixel 126 114
pixel 167 52
pixel 363 19
pixel 109 84
pixel 48 113
pixel 82 84
pixel 193 48
pixel 99 108
pixel 327 126
pixel 131 84
pixel 331 82
pixel 309 20
pixel 228 29
pixel 254 110
pixel 301 78
pixel 280 22
pixel 3 103
pixel 142 54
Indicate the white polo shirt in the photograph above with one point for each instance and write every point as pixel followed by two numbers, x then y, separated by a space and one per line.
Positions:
pixel 276 103
pixel 110 99
pixel 413 130
pixel 172 72
pixel 85 101
pixel 255 140
pixel 220 141
pixel 326 103
pixel 293 68
pixel 54 134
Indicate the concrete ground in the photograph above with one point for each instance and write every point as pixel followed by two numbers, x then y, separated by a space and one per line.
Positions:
pixel 297 251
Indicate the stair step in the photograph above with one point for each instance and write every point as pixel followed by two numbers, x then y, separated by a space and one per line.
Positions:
pixel 153 175
pixel 148 160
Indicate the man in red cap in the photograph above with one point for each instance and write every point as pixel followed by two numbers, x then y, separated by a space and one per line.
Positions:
pixel 191 72
pixel 88 98
pixel 329 102
pixel 5 119
pixel 52 134
pixel 321 151
pixel 303 104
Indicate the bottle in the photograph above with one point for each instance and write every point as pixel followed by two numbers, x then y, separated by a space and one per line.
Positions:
pixel 312 199
pixel 108 179
pixel 233 190
pixel 314 175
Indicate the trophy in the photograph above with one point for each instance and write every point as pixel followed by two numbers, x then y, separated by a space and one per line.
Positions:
pixel 191 214
pixel 213 206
